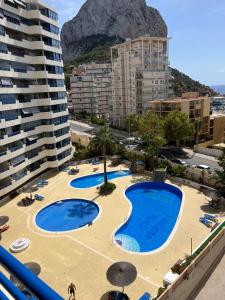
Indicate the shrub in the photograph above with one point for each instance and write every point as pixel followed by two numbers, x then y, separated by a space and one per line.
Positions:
pixel 107 188
pixel 177 171
pixel 162 164
pixel 161 290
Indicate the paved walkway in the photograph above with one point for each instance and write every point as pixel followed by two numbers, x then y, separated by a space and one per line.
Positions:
pixel 215 285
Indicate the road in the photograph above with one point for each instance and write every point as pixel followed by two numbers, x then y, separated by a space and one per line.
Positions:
pixel 193 158
pixel 189 156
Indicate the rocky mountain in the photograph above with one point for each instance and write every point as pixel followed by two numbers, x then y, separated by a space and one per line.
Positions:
pixel 105 22
pixel 102 23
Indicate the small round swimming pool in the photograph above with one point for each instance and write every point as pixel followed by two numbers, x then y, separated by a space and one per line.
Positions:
pixel 65 215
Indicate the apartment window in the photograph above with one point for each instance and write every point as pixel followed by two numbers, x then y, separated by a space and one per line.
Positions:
pixel 3 48
pixel 19 67
pixel 50 28
pixel 56 82
pixel 49 13
pixel 11 3
pixel 2 30
pixel 4 65
pixel 9 115
pixel 4 82
pixel 8 99
pixel 12 18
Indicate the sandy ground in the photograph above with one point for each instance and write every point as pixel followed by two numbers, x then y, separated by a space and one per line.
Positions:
pixel 84 256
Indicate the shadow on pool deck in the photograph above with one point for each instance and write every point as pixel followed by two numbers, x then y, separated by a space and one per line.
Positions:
pixel 140 178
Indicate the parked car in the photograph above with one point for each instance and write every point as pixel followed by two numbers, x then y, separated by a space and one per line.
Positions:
pixel 180 162
pixel 202 167
pixel 131 147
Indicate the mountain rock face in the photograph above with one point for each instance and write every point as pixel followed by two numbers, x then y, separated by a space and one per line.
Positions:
pixel 102 22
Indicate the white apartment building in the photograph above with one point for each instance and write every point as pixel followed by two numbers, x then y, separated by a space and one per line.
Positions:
pixel 91 89
pixel 140 73
pixel 34 128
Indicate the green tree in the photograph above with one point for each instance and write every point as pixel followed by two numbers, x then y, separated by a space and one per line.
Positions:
pixel 151 131
pixel 103 141
pixel 178 127
pixel 132 123
pixel 221 174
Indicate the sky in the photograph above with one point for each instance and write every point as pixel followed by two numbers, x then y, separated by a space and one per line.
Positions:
pixel 197 31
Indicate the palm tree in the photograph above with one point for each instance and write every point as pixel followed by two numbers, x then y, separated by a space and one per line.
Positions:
pixel 102 141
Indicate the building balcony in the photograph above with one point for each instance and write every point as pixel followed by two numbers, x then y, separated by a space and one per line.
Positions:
pixel 32 89
pixel 35 29
pixel 32 103
pixel 32 60
pixel 31 75
pixel 30 14
pixel 31 45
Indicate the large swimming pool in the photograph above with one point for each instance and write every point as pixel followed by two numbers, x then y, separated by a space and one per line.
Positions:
pixel 67 215
pixel 155 210
pixel 96 179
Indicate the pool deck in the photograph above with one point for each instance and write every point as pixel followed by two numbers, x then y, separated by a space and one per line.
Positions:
pixel 83 256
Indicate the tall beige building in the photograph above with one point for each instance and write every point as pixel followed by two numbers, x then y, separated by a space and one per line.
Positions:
pixel 34 129
pixel 140 73
pixel 91 89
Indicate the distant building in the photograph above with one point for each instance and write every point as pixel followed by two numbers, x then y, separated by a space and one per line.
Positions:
pixel 34 129
pixel 140 74
pixel 209 127
pixel 218 104
pixel 91 90
pixel 81 133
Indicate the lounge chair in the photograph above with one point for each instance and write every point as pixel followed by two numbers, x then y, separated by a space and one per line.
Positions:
pixel 95 161
pixel 38 197
pixel 4 227
pixel 205 221
pixel 145 296
pixel 210 217
pixel 73 171
pixel 45 182
pixel 41 183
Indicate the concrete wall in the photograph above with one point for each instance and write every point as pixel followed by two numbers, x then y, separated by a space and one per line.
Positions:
pixel 201 176
pixel 207 151
pixel 81 138
pixel 192 279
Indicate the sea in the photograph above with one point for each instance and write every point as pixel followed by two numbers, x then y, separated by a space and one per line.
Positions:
pixel 219 89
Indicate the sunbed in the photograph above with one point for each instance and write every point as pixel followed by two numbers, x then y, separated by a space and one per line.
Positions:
pixel 205 221
pixel 146 296
pixel 38 197
pixel 41 183
pixel 210 217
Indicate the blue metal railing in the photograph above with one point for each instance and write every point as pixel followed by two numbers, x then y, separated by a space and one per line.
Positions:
pixel 34 284
pixel 11 288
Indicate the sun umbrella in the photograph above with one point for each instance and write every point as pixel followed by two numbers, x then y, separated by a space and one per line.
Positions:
pixel 3 220
pixel 121 274
pixel 31 190
pixel 32 266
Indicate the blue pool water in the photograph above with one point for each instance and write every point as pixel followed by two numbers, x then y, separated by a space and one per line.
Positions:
pixel 96 179
pixel 67 215
pixel 155 209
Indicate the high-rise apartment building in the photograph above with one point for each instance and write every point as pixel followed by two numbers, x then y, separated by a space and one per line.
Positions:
pixel 140 73
pixel 91 89
pixel 34 129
